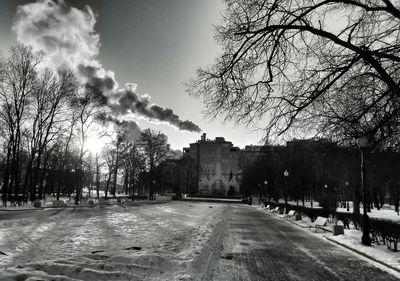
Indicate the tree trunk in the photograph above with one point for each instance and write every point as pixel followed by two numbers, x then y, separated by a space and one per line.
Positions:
pixel 6 177
pixel 151 191
pixel 97 177
pixel 116 171
pixel 126 181
pixel 108 183
pixel 356 201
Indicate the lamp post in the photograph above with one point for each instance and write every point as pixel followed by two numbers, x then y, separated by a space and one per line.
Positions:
pixel 347 196
pixel 75 185
pixel 285 175
pixel 265 189
pixel 365 239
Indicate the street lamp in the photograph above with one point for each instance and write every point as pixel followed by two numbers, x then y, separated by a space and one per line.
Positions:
pixel 347 196
pixel 365 239
pixel 286 175
pixel 265 188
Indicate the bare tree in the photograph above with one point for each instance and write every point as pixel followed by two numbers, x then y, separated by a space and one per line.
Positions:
pixel 18 75
pixel 46 114
pixel 189 173
pixel 86 106
pixel 331 67
pixel 155 148
pixel 110 155
pixel 133 165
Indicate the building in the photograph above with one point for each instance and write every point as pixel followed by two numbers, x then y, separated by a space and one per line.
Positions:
pixel 219 165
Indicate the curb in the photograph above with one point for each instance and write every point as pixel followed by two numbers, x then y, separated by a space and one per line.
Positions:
pixel 123 205
pixel 363 254
pixel 302 226
pixel 21 210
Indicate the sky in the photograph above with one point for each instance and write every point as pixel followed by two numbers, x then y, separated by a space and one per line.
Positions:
pixel 157 45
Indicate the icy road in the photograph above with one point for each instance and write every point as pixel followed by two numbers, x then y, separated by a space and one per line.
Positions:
pixel 170 241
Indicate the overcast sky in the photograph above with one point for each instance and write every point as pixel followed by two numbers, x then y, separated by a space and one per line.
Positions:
pixel 158 45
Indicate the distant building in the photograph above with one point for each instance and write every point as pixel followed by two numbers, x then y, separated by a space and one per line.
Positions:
pixel 220 164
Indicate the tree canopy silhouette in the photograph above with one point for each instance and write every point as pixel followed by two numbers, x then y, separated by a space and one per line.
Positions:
pixel 327 68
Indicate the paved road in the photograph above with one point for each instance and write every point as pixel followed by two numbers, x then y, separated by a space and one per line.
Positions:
pixel 257 246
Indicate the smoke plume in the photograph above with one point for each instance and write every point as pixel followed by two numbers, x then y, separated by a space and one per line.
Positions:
pixel 67 36
pixel 129 128
pixel 127 101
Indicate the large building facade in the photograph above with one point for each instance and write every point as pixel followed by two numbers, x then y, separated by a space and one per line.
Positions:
pixel 219 165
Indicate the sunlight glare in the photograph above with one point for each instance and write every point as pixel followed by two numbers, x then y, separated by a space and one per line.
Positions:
pixel 95 145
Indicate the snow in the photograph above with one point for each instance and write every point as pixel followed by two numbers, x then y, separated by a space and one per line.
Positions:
pixel 171 242
pixel 141 241
pixel 352 238
pixel 387 213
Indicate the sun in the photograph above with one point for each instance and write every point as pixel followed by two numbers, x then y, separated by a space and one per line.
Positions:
pixel 94 144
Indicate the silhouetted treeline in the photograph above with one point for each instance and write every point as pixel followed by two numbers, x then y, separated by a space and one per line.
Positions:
pixel 323 171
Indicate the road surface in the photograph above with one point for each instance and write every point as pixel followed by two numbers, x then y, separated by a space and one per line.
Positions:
pixel 258 246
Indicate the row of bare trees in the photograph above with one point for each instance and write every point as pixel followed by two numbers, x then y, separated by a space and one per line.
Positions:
pixel 134 162
pixel 34 118
pixel 323 171
pixel 46 119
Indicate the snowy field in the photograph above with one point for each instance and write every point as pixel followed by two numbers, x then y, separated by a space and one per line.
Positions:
pixel 151 242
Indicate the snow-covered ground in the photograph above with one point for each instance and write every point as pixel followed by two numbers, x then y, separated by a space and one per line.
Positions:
pixel 151 242
pixel 352 239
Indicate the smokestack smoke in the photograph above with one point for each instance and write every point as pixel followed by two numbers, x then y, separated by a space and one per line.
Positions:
pixel 68 37
pixel 129 102
pixel 130 129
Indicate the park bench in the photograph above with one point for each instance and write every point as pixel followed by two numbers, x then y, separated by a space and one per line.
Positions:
pixel 276 210
pixel 268 207
pixel 319 223
pixel 290 215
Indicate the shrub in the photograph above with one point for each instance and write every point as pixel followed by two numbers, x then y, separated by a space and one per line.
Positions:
pixel 386 231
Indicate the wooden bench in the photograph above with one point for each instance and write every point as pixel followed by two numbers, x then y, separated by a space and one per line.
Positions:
pixel 291 215
pixel 319 223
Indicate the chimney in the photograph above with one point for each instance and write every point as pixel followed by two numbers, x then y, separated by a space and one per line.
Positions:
pixel 203 137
